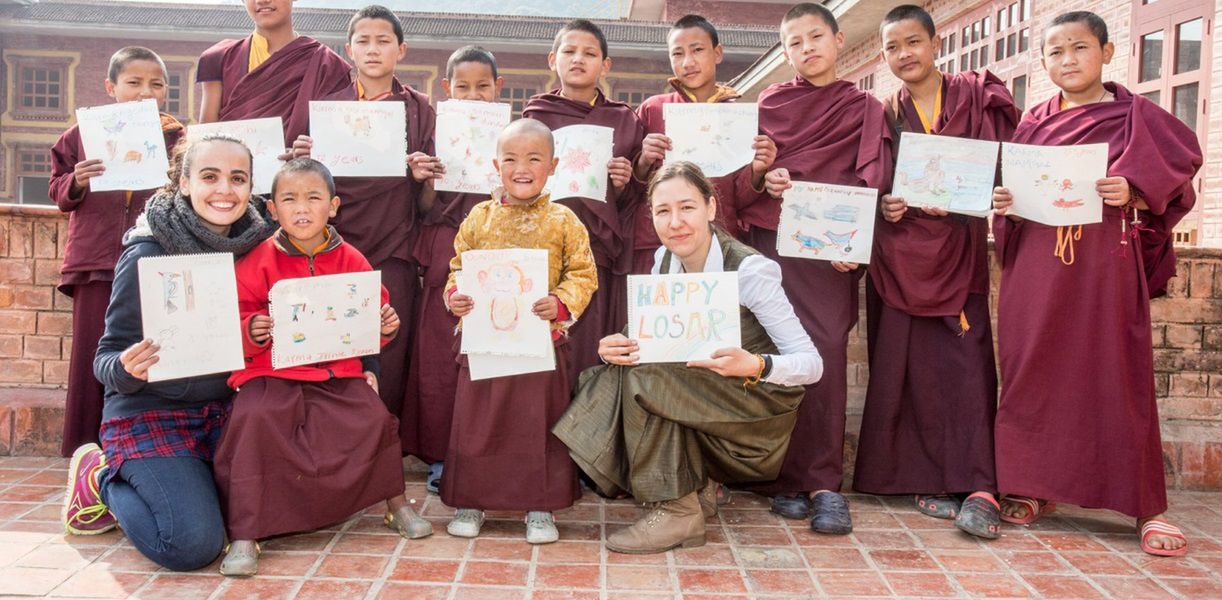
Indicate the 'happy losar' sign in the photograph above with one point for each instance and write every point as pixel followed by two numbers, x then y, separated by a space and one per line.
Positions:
pixel 682 317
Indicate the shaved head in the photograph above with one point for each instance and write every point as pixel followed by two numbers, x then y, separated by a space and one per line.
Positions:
pixel 526 128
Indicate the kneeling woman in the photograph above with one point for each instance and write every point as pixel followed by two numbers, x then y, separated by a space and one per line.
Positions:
pixel 666 432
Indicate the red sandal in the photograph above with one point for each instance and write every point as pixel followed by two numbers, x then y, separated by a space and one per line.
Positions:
pixel 1155 527
pixel 1035 509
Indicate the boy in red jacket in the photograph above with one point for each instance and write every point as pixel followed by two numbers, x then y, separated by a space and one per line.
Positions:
pixel 309 445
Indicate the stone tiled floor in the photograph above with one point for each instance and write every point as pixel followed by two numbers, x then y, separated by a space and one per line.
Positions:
pixel 894 551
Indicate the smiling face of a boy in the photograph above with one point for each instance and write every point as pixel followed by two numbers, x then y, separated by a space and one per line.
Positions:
pixel 524 157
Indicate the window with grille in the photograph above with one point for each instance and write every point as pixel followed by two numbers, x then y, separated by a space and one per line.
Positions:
pixel 175 99
pixel 33 175
pixel 517 98
pixel 866 84
pixel 41 89
pixel 632 99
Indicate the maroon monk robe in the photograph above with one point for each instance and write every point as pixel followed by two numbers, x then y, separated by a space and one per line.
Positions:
pixel 432 380
pixel 282 86
pixel 377 215
pixel 606 221
pixel 927 425
pixel 502 453
pixel 644 237
pixel 1078 421
pixel 96 224
pixel 831 134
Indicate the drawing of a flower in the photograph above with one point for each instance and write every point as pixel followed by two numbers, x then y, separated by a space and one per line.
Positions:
pixel 576 159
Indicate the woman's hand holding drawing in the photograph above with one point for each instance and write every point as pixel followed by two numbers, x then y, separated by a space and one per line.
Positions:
pixel 730 362
pixel 137 359
pixel 618 349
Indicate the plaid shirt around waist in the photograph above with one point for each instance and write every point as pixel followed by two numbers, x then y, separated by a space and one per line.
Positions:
pixel 192 433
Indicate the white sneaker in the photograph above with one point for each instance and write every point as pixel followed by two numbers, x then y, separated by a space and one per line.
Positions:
pixel 466 523
pixel 541 528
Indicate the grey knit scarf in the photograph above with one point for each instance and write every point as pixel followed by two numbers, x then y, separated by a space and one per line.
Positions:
pixel 170 219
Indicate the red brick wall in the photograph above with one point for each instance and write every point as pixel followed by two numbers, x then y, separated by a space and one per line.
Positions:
pixel 35 338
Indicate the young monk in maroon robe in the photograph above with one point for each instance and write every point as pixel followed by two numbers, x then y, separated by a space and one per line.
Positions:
pixel 927 426
pixel 579 58
pixel 378 214
pixel 272 73
pixel 433 376
pixel 96 226
pixel 695 52
pixel 1077 420
pixel 503 454
pixel 828 131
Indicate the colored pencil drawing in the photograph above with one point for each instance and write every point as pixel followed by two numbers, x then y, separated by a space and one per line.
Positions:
pixel 265 139
pixel 504 285
pixel 716 137
pixel 470 129
pixel 584 152
pixel 827 222
pixel 189 306
pixel 1055 185
pixel 951 173
pixel 360 139
pixel 305 315
pixel 685 316
pixel 127 138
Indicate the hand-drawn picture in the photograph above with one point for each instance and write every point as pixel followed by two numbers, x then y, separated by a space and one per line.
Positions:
pixel 196 336
pixel 682 317
pixel 360 139
pixel 717 137
pixel 306 327
pixel 127 138
pixel 264 138
pixel 1055 185
pixel 466 144
pixel 584 151
pixel 504 284
pixel 955 174
pixel 827 222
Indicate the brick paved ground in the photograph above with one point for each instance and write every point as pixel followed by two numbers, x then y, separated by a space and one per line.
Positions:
pixel 894 551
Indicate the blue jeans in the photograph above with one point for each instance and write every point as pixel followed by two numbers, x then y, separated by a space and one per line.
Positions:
pixel 169 510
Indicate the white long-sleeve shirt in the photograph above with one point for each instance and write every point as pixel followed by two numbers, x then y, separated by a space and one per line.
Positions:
pixel 759 289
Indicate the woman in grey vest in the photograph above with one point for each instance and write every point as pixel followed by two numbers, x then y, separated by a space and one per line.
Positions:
pixel 666 433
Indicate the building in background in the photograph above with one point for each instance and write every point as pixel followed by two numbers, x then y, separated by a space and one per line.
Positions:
pixel 1166 50
pixel 54 54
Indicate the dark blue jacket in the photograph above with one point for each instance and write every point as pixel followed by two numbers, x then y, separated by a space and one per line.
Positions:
pixel 126 395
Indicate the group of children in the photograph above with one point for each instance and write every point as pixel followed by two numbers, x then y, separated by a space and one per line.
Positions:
pixel 297 452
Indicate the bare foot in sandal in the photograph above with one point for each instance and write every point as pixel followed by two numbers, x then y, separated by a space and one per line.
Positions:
pixel 1161 538
pixel 1022 510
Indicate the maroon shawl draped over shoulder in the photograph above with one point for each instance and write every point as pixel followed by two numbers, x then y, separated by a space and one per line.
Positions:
pixel 1077 420
pixel 832 134
pixel 377 214
pixel 1148 146
pixel 926 265
pixel 282 86
pixel 602 219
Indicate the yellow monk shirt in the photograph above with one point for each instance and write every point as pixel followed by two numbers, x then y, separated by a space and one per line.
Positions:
pixel 495 225
pixel 259 52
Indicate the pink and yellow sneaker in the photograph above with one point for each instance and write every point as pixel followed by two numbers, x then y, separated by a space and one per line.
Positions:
pixel 84 513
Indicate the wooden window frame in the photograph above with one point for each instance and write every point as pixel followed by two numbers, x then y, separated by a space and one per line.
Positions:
pixel 20 63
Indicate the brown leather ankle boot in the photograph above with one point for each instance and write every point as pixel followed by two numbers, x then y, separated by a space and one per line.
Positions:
pixel 667 525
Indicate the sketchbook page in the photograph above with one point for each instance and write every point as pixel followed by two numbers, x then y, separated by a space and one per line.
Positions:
pixel 466 144
pixel 488 366
pixel 504 285
pixel 685 316
pixel 325 318
pixel 584 151
pixel 717 137
pixel 1055 185
pixel 360 139
pixel 189 307
pixel 829 222
pixel 264 138
pixel 947 172
pixel 127 138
